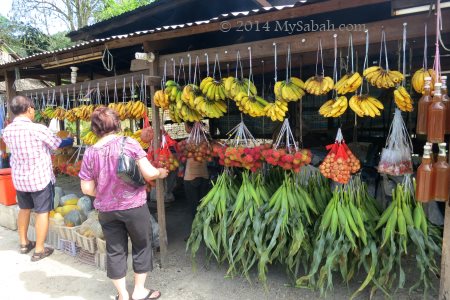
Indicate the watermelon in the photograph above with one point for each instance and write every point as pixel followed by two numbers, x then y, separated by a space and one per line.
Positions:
pixel 74 218
pixel 58 194
pixel 67 198
pixel 85 204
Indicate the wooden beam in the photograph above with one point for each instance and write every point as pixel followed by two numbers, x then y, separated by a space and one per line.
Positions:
pixel 10 92
pixel 444 289
pixel 270 16
pixel 307 42
pixel 263 3
pixel 160 204
pixel 110 81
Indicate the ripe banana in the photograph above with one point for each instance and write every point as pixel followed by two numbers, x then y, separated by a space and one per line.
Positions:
pixel 366 106
pixel 319 85
pixel 251 105
pixel 381 78
pixel 213 89
pixel 161 99
pixel 418 79
pixel 348 83
pixel 289 90
pixel 403 99
pixel 276 111
pixel 233 86
pixel 334 108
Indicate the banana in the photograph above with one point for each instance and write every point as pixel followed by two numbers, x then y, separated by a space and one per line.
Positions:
pixel 403 100
pixel 319 85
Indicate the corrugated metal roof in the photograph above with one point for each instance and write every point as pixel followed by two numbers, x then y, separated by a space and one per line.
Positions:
pixel 94 42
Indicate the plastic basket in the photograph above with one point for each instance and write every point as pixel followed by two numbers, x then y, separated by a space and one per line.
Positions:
pixel 100 261
pixel 86 257
pixel 66 233
pixel 88 244
pixel 8 216
pixel 68 247
pixel 51 240
pixel 101 245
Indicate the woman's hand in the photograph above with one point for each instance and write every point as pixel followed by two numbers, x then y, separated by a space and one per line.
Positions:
pixel 163 173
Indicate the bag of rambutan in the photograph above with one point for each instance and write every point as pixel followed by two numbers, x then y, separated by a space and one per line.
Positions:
pixel 196 146
pixel 164 157
pixel 285 153
pixel 340 162
pixel 240 150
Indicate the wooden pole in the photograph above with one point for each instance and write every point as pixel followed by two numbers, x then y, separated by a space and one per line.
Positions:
pixel 444 289
pixel 10 92
pixel 156 124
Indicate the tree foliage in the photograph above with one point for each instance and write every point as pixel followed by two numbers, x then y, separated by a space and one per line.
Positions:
pixel 112 8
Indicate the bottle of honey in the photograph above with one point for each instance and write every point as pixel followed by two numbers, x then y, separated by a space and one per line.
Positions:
pixel 446 101
pixel 436 117
pixel 441 170
pixel 422 112
pixel 424 183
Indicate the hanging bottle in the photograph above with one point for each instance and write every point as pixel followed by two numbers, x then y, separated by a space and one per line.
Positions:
pixel 436 117
pixel 442 175
pixel 446 101
pixel 424 103
pixel 424 183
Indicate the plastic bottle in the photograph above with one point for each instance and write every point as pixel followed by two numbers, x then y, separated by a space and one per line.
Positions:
pixel 422 112
pixel 436 117
pixel 424 185
pixel 442 175
pixel 446 101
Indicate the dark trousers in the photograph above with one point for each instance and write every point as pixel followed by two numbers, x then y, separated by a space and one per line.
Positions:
pixel 117 226
pixel 195 190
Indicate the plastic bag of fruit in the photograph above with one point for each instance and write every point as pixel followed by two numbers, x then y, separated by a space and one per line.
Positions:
pixel 240 150
pixel 196 146
pixel 396 156
pixel 340 162
pixel 285 153
pixel 147 131
pixel 165 156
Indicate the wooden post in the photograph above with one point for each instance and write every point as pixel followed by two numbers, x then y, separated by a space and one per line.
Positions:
pixel 10 92
pixel 156 124
pixel 444 289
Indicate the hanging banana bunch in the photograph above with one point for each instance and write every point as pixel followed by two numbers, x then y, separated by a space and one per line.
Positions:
pixel 290 89
pixel 235 85
pixel 251 105
pixel 366 106
pixel 418 79
pixel 401 96
pixel 161 99
pixel 349 83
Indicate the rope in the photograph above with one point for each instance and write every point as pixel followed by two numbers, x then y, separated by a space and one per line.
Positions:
pixel 190 67
pixel 109 64
pixel 207 64
pixel 275 61
pixel 404 52
pixel 425 58
pixel 250 75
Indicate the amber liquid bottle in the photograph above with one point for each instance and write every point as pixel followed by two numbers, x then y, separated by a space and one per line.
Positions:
pixel 436 117
pixel 442 175
pixel 424 183
pixel 422 112
pixel 446 101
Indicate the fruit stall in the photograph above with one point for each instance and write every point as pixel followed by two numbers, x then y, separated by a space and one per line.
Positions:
pixel 281 109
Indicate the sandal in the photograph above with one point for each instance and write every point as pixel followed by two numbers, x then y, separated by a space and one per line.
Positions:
pixel 149 294
pixel 24 249
pixel 38 256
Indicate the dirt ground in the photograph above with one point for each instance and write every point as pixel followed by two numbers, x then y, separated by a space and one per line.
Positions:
pixel 63 277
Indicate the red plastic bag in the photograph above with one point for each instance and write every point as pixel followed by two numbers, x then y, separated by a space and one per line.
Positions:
pixel 147 133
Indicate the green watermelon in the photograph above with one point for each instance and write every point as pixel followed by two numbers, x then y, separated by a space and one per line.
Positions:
pixel 85 204
pixel 74 218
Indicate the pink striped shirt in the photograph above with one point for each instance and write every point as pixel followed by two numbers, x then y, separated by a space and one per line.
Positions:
pixel 30 145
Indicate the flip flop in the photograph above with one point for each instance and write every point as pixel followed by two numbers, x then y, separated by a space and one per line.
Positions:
pixel 149 294
pixel 38 256
pixel 24 249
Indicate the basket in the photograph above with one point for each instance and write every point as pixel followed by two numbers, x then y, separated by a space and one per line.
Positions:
pixel 8 216
pixel 51 240
pixel 100 261
pixel 66 233
pixel 101 245
pixel 86 257
pixel 88 244
pixel 68 247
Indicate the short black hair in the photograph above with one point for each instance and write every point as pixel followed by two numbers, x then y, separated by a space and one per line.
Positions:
pixel 20 104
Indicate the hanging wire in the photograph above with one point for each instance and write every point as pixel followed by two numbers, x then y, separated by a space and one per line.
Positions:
pixel 181 69
pixel 207 64
pixel 334 94
pixel 107 60
pixel 190 68
pixel 250 75
pixel 319 49
pixel 174 69
pixel 275 61
pixel 239 64
pixel 216 61
pixel 437 61
pixel 404 53
pixel 366 62
pixel 425 49
pixel 288 64
pixel 197 66
pixel 116 96
pixel 164 78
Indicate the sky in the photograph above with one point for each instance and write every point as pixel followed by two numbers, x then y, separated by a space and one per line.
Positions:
pixel 5 7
